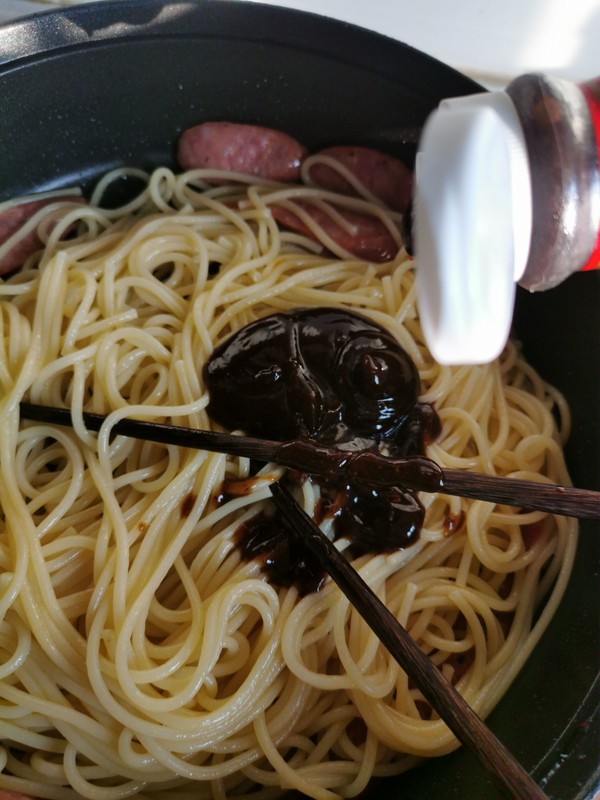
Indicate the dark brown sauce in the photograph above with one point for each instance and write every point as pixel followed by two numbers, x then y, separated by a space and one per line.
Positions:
pixel 330 377
pixel 187 504
pixel 380 520
pixel 453 522
pixel 323 374
pixel 285 560
pixel 237 487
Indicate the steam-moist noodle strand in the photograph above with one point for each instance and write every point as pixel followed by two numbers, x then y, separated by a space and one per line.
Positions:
pixel 140 653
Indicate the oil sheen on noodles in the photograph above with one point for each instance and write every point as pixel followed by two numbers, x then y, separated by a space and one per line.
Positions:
pixel 139 654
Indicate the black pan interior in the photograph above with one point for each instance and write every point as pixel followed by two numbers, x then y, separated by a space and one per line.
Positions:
pixel 86 89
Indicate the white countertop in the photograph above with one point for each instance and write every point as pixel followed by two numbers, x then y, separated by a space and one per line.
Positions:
pixel 491 41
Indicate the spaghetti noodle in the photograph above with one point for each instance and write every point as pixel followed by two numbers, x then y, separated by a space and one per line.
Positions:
pixel 140 653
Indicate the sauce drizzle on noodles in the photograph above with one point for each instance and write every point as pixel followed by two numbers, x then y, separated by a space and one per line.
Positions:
pixel 140 653
pixel 326 375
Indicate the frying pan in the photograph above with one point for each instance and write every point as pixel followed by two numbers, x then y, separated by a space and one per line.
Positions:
pixel 85 89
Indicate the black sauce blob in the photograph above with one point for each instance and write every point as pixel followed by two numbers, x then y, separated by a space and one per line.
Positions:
pixel 323 374
pixel 334 377
pixel 380 519
pixel 286 561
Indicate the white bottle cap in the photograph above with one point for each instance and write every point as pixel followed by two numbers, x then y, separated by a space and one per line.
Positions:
pixel 472 225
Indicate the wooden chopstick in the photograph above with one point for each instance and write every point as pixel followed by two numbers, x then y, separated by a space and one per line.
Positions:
pixel 439 693
pixel 366 467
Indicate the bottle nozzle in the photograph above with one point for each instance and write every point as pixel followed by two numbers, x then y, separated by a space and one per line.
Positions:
pixel 472 225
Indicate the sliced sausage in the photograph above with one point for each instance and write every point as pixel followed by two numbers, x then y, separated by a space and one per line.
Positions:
pixel 371 239
pixel 13 218
pixel 384 176
pixel 6 794
pixel 249 149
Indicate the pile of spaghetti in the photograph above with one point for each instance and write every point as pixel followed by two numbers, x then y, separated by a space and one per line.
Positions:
pixel 139 652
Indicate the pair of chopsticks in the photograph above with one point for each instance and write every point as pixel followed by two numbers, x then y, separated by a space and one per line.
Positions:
pixel 468 728
pixel 364 467
pixel 371 468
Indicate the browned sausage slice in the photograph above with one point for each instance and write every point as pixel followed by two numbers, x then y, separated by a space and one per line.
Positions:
pixel 383 175
pixel 249 149
pixel 14 217
pixel 371 240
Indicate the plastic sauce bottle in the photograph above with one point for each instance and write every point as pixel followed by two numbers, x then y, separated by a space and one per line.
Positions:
pixel 507 191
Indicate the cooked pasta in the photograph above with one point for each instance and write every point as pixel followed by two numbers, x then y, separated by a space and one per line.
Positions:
pixel 140 652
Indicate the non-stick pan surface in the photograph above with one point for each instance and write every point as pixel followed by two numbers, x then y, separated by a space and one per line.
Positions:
pixel 89 88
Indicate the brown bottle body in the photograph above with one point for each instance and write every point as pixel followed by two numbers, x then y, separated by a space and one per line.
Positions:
pixel 560 122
